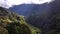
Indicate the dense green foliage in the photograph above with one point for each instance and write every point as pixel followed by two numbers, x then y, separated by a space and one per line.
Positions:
pixel 12 23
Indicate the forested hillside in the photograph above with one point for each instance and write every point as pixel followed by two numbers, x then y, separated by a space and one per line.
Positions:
pixel 12 23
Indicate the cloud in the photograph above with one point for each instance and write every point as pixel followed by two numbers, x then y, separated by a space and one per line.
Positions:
pixel 10 3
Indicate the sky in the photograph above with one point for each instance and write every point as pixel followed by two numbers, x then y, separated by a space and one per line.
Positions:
pixel 10 3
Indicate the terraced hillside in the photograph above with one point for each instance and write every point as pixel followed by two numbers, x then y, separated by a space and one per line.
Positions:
pixel 12 23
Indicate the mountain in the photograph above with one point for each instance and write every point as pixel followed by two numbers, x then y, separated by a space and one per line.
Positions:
pixel 27 9
pixel 47 20
pixel 45 16
pixel 23 9
pixel 12 23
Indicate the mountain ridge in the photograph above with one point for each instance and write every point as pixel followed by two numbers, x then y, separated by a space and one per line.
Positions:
pixel 26 9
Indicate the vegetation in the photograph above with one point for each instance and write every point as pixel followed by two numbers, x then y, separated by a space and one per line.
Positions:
pixel 13 23
pixel 48 23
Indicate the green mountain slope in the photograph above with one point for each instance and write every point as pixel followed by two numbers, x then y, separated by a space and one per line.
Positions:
pixel 12 23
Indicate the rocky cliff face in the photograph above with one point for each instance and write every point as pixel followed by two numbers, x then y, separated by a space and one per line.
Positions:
pixel 12 23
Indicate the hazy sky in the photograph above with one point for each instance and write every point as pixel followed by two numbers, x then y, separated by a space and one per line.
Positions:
pixel 10 3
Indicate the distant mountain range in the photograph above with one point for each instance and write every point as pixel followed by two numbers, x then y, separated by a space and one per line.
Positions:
pixel 26 9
